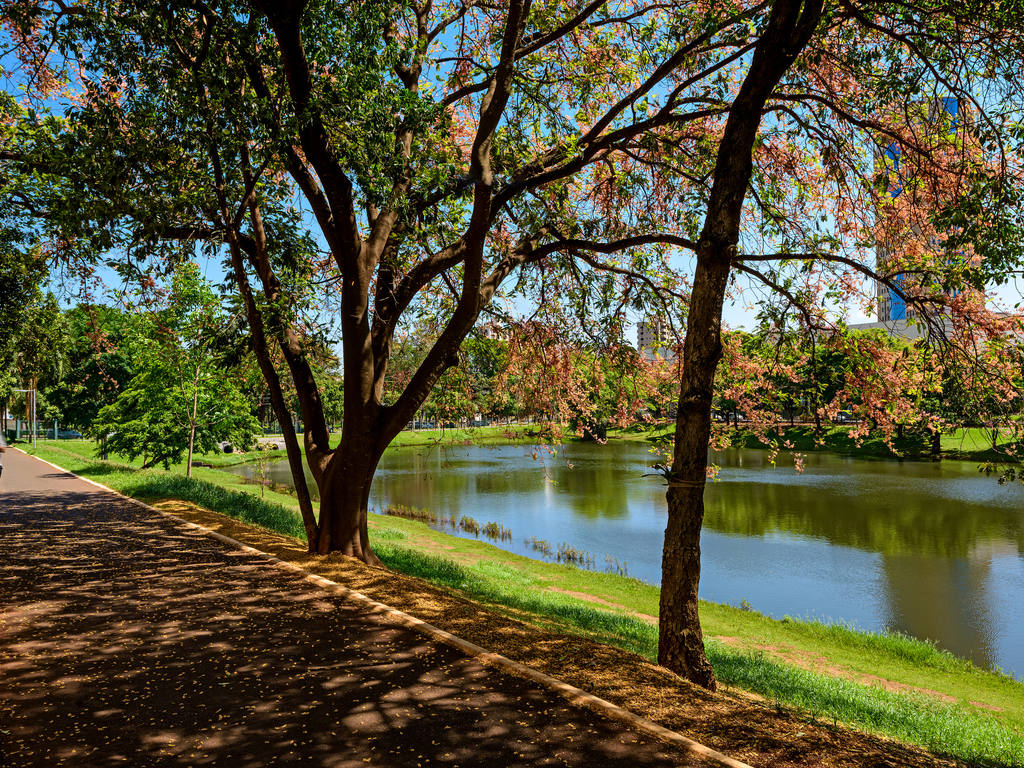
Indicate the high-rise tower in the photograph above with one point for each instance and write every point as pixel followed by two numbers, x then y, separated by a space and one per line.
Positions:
pixel 943 114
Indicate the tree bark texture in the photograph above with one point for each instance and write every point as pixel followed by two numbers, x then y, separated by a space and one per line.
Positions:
pixel 680 643
pixel 344 503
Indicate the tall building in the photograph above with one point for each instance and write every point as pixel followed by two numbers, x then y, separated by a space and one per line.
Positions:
pixel 493 330
pixel 943 114
pixel 655 340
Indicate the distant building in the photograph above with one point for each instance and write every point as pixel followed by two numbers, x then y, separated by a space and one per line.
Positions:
pixel 893 313
pixel 655 340
pixel 902 328
pixel 493 330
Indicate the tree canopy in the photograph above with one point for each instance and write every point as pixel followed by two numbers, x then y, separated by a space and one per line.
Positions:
pixel 457 157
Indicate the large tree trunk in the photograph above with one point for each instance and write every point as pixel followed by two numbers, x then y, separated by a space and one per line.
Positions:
pixel 344 474
pixel 344 502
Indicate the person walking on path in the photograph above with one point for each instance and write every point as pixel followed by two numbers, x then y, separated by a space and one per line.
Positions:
pixel 3 448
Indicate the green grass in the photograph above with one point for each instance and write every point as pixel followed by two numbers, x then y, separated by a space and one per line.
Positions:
pixel 493 435
pixel 956 729
pixel 749 650
pixel 967 444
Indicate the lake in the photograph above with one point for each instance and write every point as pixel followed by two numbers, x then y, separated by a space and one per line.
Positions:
pixel 932 549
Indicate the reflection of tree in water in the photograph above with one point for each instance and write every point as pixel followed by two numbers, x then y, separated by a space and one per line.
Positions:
pixel 933 579
pixel 942 599
pixel 418 478
pixel 592 489
pixel 876 519
pixel 899 515
pixel 592 481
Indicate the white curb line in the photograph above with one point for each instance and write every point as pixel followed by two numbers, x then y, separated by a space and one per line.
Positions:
pixel 572 693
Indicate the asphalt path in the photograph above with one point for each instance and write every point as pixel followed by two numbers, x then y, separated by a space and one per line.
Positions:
pixel 128 639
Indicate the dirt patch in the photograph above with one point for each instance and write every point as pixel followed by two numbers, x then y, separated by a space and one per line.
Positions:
pixel 815 662
pixel 755 732
pixel 607 603
pixel 989 707
pixel 732 642
pixel 890 685
pixel 435 547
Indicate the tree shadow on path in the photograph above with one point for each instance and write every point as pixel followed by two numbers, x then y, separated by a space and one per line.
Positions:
pixel 126 639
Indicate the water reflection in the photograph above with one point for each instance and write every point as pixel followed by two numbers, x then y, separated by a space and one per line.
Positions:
pixel 939 597
pixel 932 549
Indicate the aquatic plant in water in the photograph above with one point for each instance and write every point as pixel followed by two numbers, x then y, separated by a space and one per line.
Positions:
pixel 574 556
pixel 540 545
pixel 497 532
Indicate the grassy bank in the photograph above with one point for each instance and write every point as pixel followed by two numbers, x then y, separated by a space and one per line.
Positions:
pixel 882 683
pixel 493 435
pixel 968 444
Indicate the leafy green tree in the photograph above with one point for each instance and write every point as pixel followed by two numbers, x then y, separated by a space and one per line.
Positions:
pixel 485 359
pixel 432 144
pixel 197 129
pixel 38 346
pixel 182 399
pixel 21 273
pixel 334 399
pixel 99 364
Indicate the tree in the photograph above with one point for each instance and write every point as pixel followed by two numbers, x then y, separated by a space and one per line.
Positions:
pixel 40 344
pixel 23 268
pixel 826 87
pixel 433 146
pixel 21 274
pixel 429 183
pixel 181 398
pixel 99 364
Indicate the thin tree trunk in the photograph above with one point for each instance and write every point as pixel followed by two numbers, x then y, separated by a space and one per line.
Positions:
pixel 680 641
pixel 28 403
pixel 277 400
pixel 191 444
pixel 936 436
pixel 192 424
pixel 258 257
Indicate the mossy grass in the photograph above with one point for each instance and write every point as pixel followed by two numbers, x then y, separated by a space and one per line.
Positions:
pixel 885 683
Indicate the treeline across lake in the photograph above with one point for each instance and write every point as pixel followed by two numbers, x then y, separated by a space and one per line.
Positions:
pixel 148 384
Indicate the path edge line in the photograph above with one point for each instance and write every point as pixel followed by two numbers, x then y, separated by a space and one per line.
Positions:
pixel 574 695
